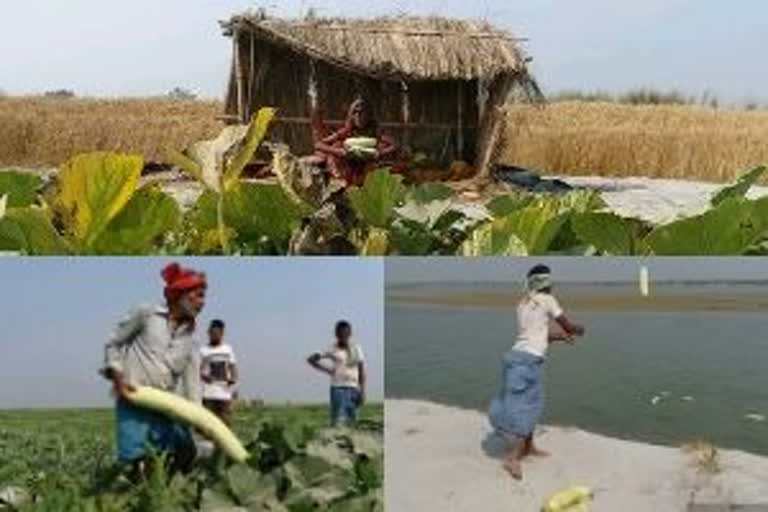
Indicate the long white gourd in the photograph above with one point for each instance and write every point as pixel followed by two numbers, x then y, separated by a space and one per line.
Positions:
pixel 188 412
pixel 361 142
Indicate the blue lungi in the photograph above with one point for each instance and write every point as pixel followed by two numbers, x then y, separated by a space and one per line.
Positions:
pixel 138 429
pixel 517 408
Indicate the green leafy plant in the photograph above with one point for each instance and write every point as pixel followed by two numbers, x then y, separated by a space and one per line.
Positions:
pixel 732 227
pixel 296 464
pixel 375 204
pixel 20 189
pixel 611 234
pixel 95 207
pixel 218 164
pixel 741 187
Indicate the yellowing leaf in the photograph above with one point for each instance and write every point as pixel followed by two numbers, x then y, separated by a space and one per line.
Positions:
pixel 185 163
pixel 93 189
pixel 377 243
pixel 209 241
pixel 256 132
pixel 210 155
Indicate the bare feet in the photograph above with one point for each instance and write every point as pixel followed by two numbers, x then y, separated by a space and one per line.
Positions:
pixel 512 466
pixel 535 452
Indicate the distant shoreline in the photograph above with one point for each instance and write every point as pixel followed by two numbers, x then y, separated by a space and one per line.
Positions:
pixel 506 284
pixel 580 301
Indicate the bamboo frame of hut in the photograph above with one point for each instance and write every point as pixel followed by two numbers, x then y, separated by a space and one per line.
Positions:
pixel 430 81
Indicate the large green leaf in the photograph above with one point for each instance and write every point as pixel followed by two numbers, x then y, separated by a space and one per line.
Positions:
pixel 258 211
pixel 741 187
pixel 311 471
pixel 758 217
pixel 610 234
pixel 411 238
pixel 729 229
pixel 261 217
pixel 376 200
pixel 536 226
pixel 502 206
pixel 580 201
pixel 29 230
pixel 20 187
pixel 93 189
pixel 249 487
pixel 137 229
pixel 486 240
pixel 428 192
pixel 367 503
pixel 425 213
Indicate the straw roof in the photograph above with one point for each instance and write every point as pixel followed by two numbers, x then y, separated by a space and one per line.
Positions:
pixel 393 48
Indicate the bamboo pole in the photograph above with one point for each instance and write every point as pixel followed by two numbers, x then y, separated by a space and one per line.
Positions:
pixel 251 71
pixel 460 123
pixel 406 102
pixel 239 77
pixel 312 88
pixel 492 125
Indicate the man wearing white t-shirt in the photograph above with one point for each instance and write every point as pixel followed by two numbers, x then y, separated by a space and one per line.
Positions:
pixel 347 372
pixel 218 371
pixel 516 409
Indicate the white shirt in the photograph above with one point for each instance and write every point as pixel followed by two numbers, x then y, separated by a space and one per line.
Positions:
pixel 534 314
pixel 216 363
pixel 346 370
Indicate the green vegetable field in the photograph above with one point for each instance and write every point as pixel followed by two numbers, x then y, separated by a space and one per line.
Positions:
pixel 57 460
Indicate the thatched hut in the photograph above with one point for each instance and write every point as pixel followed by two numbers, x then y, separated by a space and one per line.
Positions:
pixel 434 83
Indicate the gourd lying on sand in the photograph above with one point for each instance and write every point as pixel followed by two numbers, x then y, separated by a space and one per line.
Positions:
pixel 569 500
pixel 188 412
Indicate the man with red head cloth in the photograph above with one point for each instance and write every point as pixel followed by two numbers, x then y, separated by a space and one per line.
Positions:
pixel 155 346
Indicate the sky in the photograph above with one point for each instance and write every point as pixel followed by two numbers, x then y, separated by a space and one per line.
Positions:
pixel 148 47
pixel 57 315
pixel 513 270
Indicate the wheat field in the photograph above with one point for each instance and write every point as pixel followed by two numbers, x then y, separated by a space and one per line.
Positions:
pixel 573 138
pixel 48 131
pixel 659 141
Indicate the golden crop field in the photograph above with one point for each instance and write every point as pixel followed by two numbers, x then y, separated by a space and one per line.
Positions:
pixel 576 138
pixel 661 141
pixel 48 131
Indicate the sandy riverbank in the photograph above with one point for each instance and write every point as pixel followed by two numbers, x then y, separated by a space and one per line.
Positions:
pixel 441 458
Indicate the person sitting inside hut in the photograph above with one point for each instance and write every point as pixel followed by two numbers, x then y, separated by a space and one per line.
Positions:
pixel 357 147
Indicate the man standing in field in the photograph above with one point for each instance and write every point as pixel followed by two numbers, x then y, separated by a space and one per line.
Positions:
pixel 155 346
pixel 347 372
pixel 218 372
